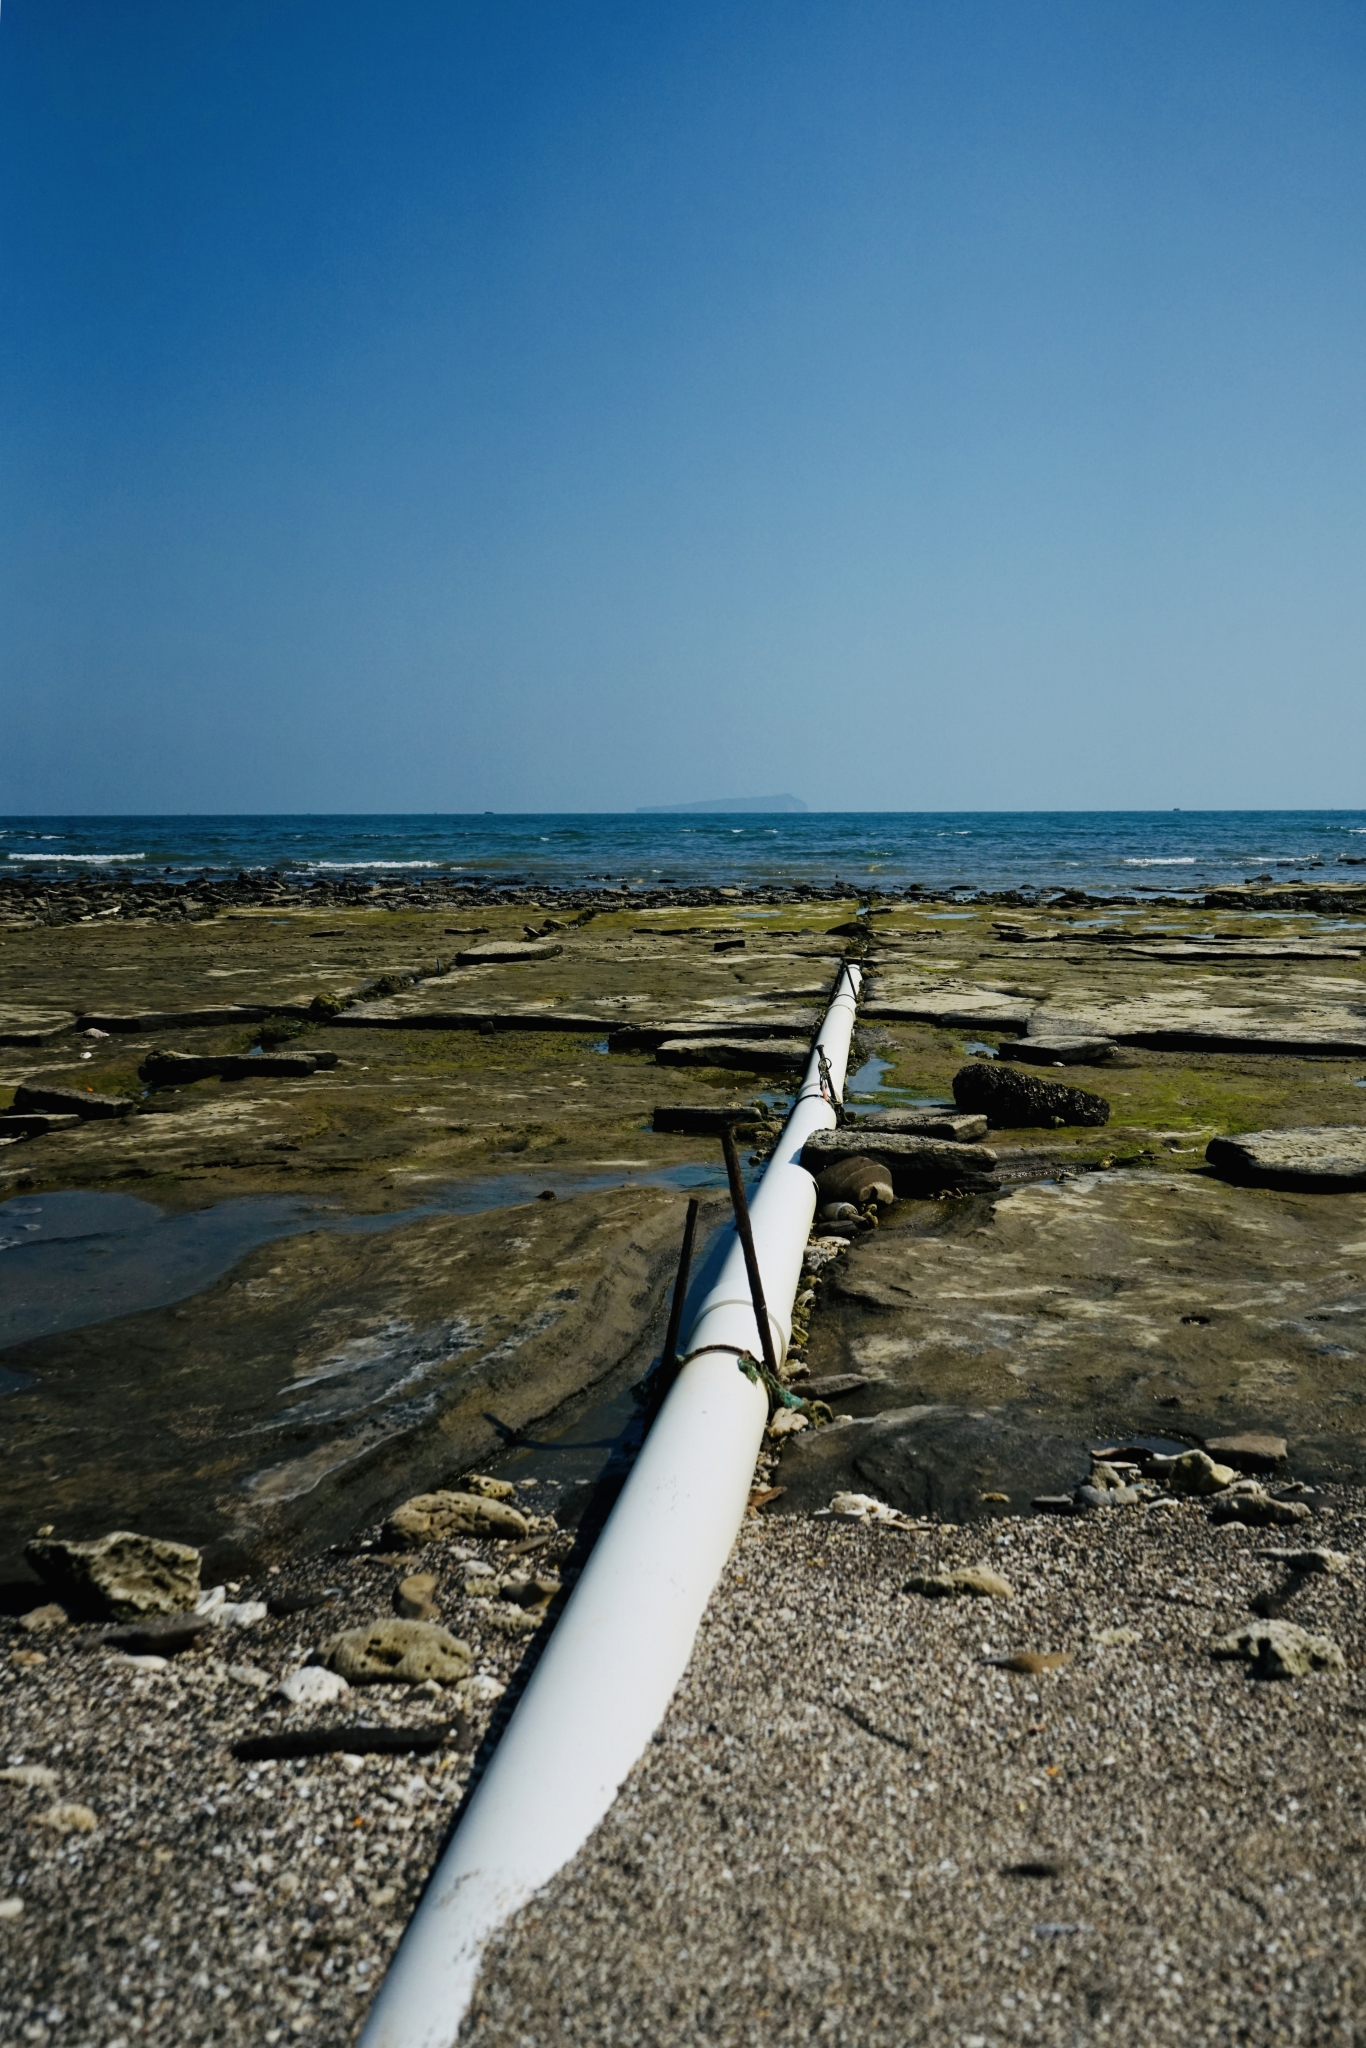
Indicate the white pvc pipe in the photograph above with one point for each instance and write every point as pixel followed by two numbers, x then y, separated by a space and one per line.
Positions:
pixel 624 1639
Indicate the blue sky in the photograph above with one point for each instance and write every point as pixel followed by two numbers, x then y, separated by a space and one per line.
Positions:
pixel 574 406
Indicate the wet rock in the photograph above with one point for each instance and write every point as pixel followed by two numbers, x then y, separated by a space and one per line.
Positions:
pixel 36 1126
pixel 1259 1510
pixel 177 1069
pixel 857 1181
pixel 914 1163
pixel 1325 1158
pixel 120 1576
pixel 937 1459
pixel 68 1818
pixel 415 1597
pixel 1011 1100
pixel 1252 1450
pixel 1192 1472
pixel 397 1653
pixel 430 1517
pixel 1280 1649
pixel 1053 1049
pixel 971 1581
pixel 39 1619
pixel 81 1102
pixel 312 1687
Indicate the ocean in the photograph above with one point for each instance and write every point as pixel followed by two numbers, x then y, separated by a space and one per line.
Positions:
pixel 1107 852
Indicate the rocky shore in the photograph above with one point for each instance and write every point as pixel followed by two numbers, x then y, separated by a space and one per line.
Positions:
pixel 316 1198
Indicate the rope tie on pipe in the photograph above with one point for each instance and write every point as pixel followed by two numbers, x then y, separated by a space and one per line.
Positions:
pixel 754 1369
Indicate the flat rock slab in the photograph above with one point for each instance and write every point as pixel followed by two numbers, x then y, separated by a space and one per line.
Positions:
pixel 986 1009
pixel 22 1025
pixel 958 1126
pixel 648 1037
pixel 751 1055
pixel 80 1102
pixel 937 1459
pixel 38 1124
pixel 385 1015
pixel 1012 1100
pixel 1329 1158
pixel 913 1162
pixel 169 1020
pixel 1251 1450
pixel 502 953
pixel 171 1069
pixel 1055 1051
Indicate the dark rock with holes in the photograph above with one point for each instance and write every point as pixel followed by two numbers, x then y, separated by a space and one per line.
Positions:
pixel 1012 1100
pixel 398 1653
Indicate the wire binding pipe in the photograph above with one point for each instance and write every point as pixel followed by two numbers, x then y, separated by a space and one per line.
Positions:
pixel 624 1639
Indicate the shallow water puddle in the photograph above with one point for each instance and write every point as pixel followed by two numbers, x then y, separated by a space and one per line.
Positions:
pixel 72 1259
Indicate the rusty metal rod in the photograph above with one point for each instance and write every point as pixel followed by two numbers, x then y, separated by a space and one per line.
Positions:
pixel 668 1364
pixel 740 1205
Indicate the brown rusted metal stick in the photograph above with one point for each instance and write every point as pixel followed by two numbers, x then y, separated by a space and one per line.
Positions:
pixel 746 1235
pixel 668 1364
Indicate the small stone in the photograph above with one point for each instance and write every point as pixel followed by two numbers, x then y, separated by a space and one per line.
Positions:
pixel 1281 1649
pixel 140 1663
pixel 312 1687
pixel 1253 1450
pixel 248 1674
pixel 487 1488
pixel 39 1618
pixel 397 1653
pixel 479 1691
pixel 513 1621
pixel 27 1657
pixel 1107 1496
pixel 11 1909
pixel 121 1576
pixel 428 1517
pixel 1259 1510
pixel 415 1597
pixel 1117 1638
pixel 1193 1472
pixel 35 1777
pixel 69 1819
pixel 976 1581
pixel 787 1422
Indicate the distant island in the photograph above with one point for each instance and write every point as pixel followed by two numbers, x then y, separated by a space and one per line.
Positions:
pixel 727 803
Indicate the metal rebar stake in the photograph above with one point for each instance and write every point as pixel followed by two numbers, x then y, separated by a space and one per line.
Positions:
pixel 740 1205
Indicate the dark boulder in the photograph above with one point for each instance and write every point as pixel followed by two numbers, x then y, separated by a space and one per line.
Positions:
pixel 1015 1100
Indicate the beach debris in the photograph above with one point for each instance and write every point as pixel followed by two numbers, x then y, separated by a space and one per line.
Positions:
pixel 119 1576
pixel 1012 1100
pixel 216 1608
pixel 429 1517
pixel 1280 1649
pixel 312 1687
pixel 286 1743
pixel 865 1507
pixel 1323 1159
pixel 415 1597
pixel 972 1581
pixel 787 1422
pixel 393 1652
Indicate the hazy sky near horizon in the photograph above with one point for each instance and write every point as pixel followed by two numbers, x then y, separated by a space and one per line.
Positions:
pixel 574 406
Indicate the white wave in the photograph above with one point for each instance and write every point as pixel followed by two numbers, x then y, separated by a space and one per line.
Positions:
pixel 84 859
pixel 1174 860
pixel 375 863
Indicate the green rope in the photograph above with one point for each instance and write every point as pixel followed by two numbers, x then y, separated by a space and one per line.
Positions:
pixel 779 1396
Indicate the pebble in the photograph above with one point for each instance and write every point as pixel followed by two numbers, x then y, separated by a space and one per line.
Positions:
pixel 428 1517
pixel 1192 1472
pixel 976 1581
pixel 415 1597
pixel 38 1618
pixel 11 1909
pixel 145 1662
pixel 312 1686
pixel 67 1818
pixel 38 1777
pixel 249 1674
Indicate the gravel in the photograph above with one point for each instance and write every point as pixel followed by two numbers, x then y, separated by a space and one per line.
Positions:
pixel 850 1827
